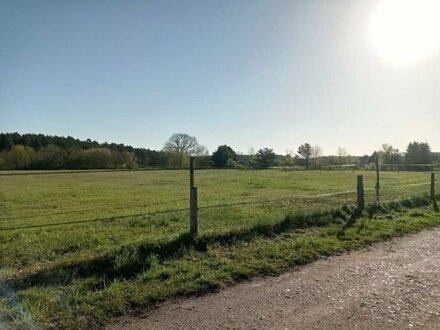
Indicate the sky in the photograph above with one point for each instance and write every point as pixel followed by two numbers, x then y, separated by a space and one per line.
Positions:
pixel 248 73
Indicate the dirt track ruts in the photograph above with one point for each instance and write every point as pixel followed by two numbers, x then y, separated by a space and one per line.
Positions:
pixel 391 285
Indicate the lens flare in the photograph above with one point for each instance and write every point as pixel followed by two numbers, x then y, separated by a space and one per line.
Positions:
pixel 405 31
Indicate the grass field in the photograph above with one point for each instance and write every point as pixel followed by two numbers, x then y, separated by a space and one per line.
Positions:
pixel 120 256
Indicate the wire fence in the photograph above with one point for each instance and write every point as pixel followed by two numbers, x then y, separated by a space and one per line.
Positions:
pixel 94 220
pixel 202 207
pixel 168 211
pixel 91 210
pixel 248 201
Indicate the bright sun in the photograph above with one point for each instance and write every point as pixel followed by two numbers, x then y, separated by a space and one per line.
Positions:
pixel 405 31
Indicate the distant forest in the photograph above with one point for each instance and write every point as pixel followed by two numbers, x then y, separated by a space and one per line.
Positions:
pixel 39 151
pixel 44 152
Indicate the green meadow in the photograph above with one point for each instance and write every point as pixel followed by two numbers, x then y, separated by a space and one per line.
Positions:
pixel 78 248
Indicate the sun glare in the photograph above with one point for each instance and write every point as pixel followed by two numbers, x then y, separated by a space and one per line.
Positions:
pixel 405 31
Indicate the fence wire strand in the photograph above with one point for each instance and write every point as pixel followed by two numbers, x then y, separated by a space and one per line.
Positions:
pixel 94 220
pixel 92 209
pixel 202 207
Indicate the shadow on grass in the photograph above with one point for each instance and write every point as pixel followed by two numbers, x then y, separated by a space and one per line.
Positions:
pixel 130 260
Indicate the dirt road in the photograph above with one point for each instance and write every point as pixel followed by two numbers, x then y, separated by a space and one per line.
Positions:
pixel 392 285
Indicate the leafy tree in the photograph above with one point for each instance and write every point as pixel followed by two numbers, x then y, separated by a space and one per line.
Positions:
pixel 364 160
pixel 304 152
pixel 96 158
pixel 232 164
pixel 19 157
pixel 288 159
pixel 142 157
pixel 50 157
pixel 176 159
pixel 390 155
pixel 418 153
pixel 221 156
pixel 265 158
pixel 123 159
pixel 6 142
pixel 203 161
pixel 179 147
pixel 57 152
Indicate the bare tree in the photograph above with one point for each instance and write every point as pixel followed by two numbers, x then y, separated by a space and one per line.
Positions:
pixel 200 151
pixel 182 143
pixel 342 154
pixel 317 153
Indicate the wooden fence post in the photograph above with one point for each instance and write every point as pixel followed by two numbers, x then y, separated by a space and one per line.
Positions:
pixel 191 173
pixel 377 180
pixel 194 211
pixel 432 195
pixel 360 193
pixel 193 203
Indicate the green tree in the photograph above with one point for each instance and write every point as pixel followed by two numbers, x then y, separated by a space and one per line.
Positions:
pixel 50 157
pixel 176 159
pixel 19 157
pixel 304 152
pixel 221 156
pixel 265 158
pixel 179 148
pixel 96 158
pixel 123 159
pixel 364 160
pixel 2 160
pixel 418 153
pixel 390 155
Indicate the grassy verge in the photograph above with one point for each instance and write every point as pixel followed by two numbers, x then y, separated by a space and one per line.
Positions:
pixel 135 277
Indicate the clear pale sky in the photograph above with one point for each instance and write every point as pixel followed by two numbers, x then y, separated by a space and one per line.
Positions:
pixel 244 73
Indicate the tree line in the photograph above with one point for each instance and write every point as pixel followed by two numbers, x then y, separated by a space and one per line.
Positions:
pixel 38 151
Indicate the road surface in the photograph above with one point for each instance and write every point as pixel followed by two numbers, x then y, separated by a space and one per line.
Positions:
pixel 391 285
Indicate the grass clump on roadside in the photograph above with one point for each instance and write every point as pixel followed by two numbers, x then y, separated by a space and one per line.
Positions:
pixel 136 276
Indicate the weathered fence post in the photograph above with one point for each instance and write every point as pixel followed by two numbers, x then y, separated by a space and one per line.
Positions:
pixel 191 173
pixel 194 211
pixel 193 205
pixel 432 195
pixel 377 180
pixel 360 193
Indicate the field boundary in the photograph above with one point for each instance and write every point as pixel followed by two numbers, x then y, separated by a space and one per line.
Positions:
pixel 186 209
